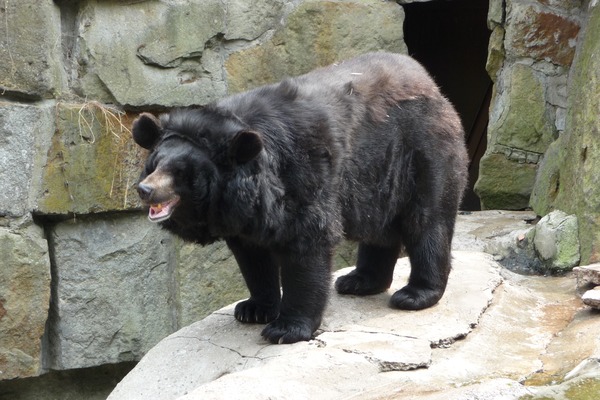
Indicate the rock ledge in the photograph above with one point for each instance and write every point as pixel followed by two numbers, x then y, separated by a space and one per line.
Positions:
pixel 360 339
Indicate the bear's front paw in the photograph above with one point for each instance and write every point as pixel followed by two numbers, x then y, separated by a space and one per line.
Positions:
pixel 359 284
pixel 286 330
pixel 415 298
pixel 251 311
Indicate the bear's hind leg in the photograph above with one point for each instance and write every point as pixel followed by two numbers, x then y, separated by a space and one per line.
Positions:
pixel 261 274
pixel 429 254
pixel 373 273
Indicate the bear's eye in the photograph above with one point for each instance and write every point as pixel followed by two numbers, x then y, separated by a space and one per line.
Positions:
pixel 200 183
pixel 151 164
pixel 181 176
pixel 181 173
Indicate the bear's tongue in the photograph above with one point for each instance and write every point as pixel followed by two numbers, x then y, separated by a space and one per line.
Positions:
pixel 161 211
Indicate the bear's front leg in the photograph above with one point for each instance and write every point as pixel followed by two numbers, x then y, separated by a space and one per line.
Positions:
pixel 305 279
pixel 261 274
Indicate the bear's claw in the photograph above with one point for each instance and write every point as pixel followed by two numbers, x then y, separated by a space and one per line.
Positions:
pixel 286 330
pixel 253 312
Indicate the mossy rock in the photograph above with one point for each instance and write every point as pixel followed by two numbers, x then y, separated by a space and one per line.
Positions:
pixel 93 163
pixel 568 178
pixel 548 181
pixel 524 121
pixel 496 54
pixel 556 242
pixel 504 184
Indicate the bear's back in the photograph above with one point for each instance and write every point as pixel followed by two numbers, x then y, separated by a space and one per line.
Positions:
pixel 380 79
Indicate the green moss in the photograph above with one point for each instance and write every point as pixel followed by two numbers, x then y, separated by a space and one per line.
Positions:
pixel 568 254
pixel 586 389
pixel 495 52
pixel 92 163
pixel 579 389
pixel 548 182
pixel 525 124
pixel 504 184
pixel 571 182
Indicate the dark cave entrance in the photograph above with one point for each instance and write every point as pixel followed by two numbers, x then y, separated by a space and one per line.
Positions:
pixel 450 38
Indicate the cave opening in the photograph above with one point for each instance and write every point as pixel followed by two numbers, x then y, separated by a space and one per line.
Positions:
pixel 450 38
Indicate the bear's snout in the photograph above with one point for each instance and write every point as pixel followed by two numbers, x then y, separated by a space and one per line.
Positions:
pixel 145 191
pixel 156 188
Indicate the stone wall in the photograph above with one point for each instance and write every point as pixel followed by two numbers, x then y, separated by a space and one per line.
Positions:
pixel 85 279
pixel 568 178
pixel 543 132
pixel 530 54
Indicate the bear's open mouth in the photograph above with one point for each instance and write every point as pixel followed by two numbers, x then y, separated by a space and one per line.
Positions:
pixel 162 211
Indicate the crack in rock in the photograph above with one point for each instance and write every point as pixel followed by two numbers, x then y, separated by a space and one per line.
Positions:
pixel 445 343
pixel 210 342
pixel 386 366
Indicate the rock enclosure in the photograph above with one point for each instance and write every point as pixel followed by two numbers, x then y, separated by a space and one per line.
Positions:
pixel 531 50
pixel 90 282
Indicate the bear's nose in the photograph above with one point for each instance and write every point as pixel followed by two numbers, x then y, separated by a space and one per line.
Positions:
pixel 145 191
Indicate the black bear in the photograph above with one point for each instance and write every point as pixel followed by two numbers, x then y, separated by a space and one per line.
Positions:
pixel 367 148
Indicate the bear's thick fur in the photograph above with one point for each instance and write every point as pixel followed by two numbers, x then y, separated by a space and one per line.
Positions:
pixel 367 148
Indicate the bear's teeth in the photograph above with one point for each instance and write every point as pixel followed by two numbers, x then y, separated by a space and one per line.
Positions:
pixel 161 211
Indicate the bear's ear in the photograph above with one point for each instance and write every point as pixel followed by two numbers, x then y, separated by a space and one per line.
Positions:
pixel 146 130
pixel 245 146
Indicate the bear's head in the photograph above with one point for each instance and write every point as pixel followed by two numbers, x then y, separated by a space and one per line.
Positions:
pixel 193 151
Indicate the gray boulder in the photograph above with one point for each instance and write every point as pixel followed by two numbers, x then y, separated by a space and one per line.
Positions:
pixel 556 241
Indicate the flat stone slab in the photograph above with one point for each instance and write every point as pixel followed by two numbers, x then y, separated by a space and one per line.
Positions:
pixel 496 389
pixel 587 275
pixel 592 297
pixel 361 339
pixel 389 352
